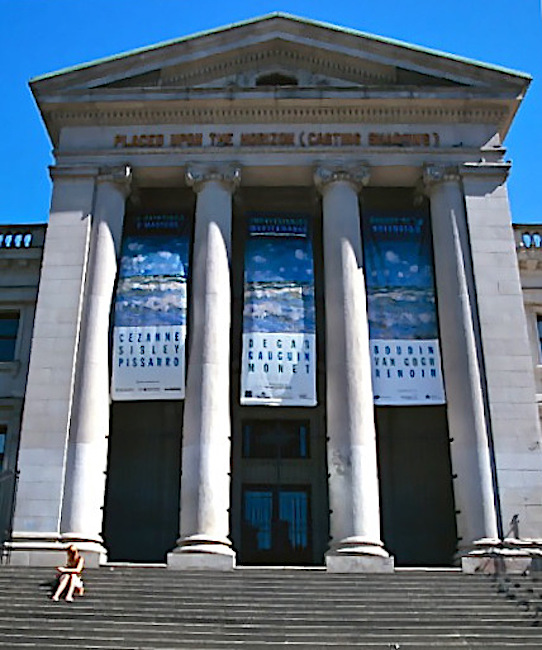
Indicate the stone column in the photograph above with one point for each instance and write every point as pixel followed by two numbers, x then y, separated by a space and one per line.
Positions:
pixel 206 447
pixel 87 451
pixel 352 458
pixel 471 461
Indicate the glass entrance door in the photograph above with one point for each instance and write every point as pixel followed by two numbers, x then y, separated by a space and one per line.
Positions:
pixel 280 512
pixel 276 526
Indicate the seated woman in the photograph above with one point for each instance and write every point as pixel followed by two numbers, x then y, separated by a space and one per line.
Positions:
pixel 70 575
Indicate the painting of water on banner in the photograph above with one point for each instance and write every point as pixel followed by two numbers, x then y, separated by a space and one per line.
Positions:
pixel 403 327
pixel 279 335
pixel 150 309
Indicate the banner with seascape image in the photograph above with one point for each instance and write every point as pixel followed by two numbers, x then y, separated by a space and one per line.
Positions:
pixel 150 309
pixel 403 326
pixel 279 328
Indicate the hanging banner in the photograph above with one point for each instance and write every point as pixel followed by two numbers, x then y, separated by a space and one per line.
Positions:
pixel 150 309
pixel 403 328
pixel 279 336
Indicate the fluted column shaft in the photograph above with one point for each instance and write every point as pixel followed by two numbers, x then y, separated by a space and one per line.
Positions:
pixel 205 481
pixel 470 453
pixel 352 457
pixel 87 450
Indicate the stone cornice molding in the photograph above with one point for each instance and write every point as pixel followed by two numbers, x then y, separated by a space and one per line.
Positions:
pixel 72 172
pixel 26 264
pixel 529 260
pixel 358 176
pixel 119 175
pixel 306 112
pixel 228 175
pixel 483 169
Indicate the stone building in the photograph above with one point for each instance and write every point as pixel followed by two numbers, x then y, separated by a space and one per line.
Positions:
pixel 529 248
pixel 21 250
pixel 280 317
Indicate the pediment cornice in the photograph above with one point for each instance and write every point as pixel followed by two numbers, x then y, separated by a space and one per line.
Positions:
pixel 288 36
pixel 312 47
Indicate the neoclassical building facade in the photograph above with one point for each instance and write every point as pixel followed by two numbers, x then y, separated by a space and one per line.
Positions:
pixel 280 318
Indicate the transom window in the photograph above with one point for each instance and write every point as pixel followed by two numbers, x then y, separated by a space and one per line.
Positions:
pixel 9 326
pixel 276 439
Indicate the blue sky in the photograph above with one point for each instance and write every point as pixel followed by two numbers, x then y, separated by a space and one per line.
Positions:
pixel 39 36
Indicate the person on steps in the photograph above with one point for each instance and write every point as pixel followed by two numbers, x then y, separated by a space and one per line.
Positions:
pixel 70 575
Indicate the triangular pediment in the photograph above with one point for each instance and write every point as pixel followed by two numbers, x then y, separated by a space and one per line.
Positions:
pixel 313 54
pixel 256 69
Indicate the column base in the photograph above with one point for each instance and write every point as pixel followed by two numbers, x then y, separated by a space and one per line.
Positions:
pixel 49 549
pixel 510 556
pixel 359 555
pixel 199 552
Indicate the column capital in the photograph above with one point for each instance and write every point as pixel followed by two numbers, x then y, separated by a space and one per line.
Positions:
pixel 119 175
pixel 433 174
pixel 228 175
pixel 357 175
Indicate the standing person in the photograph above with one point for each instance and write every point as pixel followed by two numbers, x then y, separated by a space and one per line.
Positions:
pixel 70 575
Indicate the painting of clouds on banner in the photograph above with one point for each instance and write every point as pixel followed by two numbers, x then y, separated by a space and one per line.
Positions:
pixel 150 309
pixel 278 354
pixel 403 328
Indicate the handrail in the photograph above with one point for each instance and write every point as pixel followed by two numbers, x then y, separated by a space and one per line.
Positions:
pixel 494 562
pixel 514 528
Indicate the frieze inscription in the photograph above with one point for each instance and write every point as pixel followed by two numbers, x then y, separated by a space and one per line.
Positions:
pixel 277 139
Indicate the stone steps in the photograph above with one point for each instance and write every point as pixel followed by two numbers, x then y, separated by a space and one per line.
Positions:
pixel 154 608
pixel 219 644
pixel 373 619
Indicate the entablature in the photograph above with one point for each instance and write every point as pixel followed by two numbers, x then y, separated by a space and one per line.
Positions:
pixel 358 111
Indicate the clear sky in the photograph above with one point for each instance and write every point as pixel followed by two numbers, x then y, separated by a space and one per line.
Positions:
pixel 39 36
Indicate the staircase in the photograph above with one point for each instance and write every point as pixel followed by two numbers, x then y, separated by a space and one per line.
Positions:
pixel 153 608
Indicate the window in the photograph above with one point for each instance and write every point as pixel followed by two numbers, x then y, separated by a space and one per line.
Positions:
pixel 276 524
pixel 276 439
pixel 9 326
pixel 3 436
